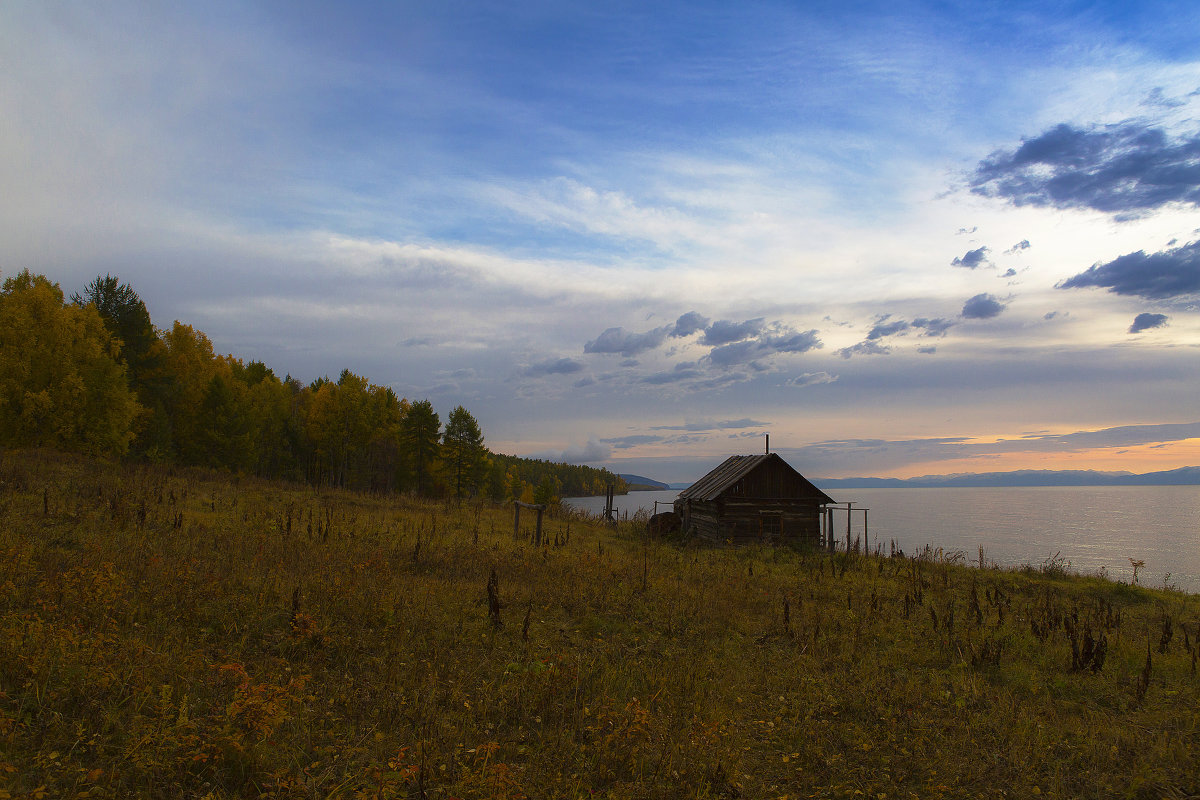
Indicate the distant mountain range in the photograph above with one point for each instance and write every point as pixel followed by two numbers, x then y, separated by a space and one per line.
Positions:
pixel 638 483
pixel 1184 476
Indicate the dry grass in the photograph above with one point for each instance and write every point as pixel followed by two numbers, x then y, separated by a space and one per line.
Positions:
pixel 174 633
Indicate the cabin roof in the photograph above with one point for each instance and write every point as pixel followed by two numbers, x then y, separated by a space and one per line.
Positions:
pixel 733 469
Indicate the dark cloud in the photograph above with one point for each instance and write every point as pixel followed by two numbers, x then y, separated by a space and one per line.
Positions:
pixel 927 350
pixel 799 342
pixel 865 348
pixel 1145 321
pixel 884 328
pixel 556 366
pixel 1019 246
pixel 971 259
pixel 749 350
pixel 583 383
pixel 688 324
pixel 982 306
pixel 1122 169
pixel 630 362
pixel 725 331
pixel 1010 273
pixel 621 341
pixel 933 327
pixel 1158 276
pixel 736 353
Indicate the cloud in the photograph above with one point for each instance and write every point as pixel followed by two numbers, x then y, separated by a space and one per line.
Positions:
pixel 971 259
pixel 1121 169
pixel 626 442
pixel 967 231
pixel 982 306
pixel 1009 273
pixel 618 340
pixel 736 353
pixel 929 327
pixel 688 324
pixel 798 342
pixel 865 348
pixel 884 328
pixel 680 373
pixel 583 383
pixel 750 350
pixel 873 456
pixel 1145 321
pixel 1019 246
pixel 1163 275
pixel 725 331
pixel 558 366
pixel 810 379
pixel 593 451
pixel 1122 436
pixel 704 425
pixel 933 327
pixel 927 350
pixel 1158 99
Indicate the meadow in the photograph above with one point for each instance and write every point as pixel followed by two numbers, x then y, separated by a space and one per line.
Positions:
pixel 173 632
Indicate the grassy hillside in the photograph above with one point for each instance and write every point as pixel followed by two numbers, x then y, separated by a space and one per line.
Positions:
pixel 168 633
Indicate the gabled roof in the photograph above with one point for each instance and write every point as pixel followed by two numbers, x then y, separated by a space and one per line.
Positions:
pixel 732 470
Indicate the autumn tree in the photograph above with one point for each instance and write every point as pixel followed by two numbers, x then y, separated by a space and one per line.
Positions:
pixel 463 451
pixel 126 319
pixel 420 435
pixel 188 366
pixel 61 383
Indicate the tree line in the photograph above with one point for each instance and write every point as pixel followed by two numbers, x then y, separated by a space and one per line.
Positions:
pixel 91 373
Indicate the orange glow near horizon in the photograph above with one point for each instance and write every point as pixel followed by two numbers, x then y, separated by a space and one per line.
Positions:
pixel 1136 459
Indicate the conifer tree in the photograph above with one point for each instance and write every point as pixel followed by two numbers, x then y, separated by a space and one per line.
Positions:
pixel 463 450
pixel 420 432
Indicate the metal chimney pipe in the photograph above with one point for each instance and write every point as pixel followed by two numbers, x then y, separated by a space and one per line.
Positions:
pixel 768 443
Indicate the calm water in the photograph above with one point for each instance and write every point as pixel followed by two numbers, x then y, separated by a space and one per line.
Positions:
pixel 1091 527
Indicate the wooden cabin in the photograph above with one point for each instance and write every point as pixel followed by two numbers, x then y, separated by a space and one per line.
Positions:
pixel 753 498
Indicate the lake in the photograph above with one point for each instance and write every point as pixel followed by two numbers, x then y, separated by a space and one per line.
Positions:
pixel 1092 528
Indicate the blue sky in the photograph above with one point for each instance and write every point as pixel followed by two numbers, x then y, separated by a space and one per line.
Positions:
pixel 903 238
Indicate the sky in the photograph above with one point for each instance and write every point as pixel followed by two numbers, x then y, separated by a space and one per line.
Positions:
pixel 902 238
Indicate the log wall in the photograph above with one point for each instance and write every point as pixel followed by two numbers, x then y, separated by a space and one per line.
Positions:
pixel 751 519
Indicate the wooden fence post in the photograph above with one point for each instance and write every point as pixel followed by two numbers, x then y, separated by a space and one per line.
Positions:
pixel 848 516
